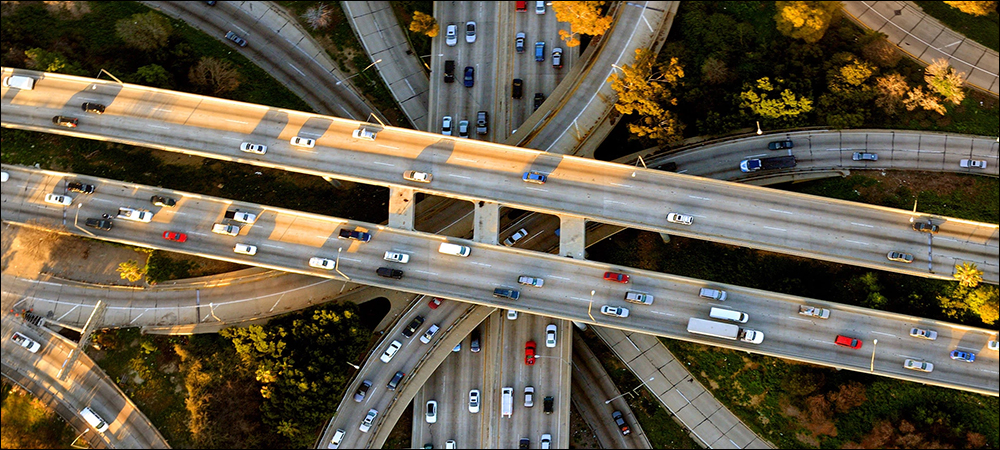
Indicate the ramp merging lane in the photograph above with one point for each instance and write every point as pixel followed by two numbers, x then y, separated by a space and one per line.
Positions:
pixel 760 218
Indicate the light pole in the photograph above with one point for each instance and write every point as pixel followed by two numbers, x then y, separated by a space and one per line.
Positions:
pixel 591 305
pixel 759 131
pixel 637 165
pixel 359 73
pixel 352 365
pixel 336 264
pixel 632 391
pixel 874 344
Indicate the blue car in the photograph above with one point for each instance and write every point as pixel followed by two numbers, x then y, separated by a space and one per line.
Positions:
pixel 963 356
pixel 533 177
pixel 470 76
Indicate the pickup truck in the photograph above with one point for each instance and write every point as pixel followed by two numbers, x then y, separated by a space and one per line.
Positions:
pixel 138 215
pixel 221 228
pixel 813 311
pixel 775 162
pixel 241 216
pixel 356 235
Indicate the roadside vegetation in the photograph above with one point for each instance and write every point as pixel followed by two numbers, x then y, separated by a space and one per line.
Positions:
pixel 982 28
pixel 25 422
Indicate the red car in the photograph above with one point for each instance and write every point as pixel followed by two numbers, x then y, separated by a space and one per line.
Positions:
pixel 848 341
pixel 529 353
pixel 434 303
pixel 616 276
pixel 175 236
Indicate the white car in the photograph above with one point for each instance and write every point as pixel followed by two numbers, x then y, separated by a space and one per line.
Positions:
pixel 973 163
pixel 25 342
pixel 531 281
pixel 250 147
pixel 546 441
pixel 682 219
pixel 369 420
pixel 299 141
pixel 450 444
pixel 321 263
pixel 916 364
pixel 511 314
pixel 550 335
pixel 470 32
pixel 228 230
pixel 390 351
pixel 529 396
pixel 540 7
pixel 4 176
pixel 56 199
pixel 367 135
pixel 451 35
pixel 338 437
pixel 401 258
pixel 517 236
pixel 245 249
pixel 993 345
pixel 446 125
pixel 429 334
pixel 930 335
pixel 474 401
pixel 617 311
pixel 432 411
pixel 419 177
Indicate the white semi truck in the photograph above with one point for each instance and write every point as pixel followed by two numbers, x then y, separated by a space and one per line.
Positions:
pixel 724 330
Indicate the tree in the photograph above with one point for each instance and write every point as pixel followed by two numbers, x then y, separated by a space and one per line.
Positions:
pixel 154 75
pixel 145 32
pixel 644 89
pixel 890 90
pixel 786 105
pixel 805 20
pixel 583 18
pixel 943 79
pixel 215 76
pixel 131 270
pixel 917 98
pixel 424 23
pixel 968 274
pixel 974 8
pixel 877 49
pixel 318 16
pixel 714 71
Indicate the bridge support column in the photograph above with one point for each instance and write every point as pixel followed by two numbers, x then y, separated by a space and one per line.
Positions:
pixel 487 227
pixel 572 236
pixel 402 208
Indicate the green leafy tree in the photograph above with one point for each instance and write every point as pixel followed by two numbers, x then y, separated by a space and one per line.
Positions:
pixel 154 75
pixel 645 89
pixel 146 32
pixel 805 20
pixel 424 23
pixel 944 80
pixel 784 105
pixel 983 8
pixel 584 17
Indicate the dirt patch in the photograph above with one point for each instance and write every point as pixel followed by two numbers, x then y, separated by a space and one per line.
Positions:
pixel 939 183
pixel 33 253
pixel 581 435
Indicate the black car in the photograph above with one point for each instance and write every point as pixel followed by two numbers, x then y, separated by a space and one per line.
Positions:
pixel 474 344
pixel 780 145
pixel 362 391
pixel 926 227
pixel 159 200
pixel 68 122
pixel 539 99
pixel 394 382
pixel 80 187
pixel 95 108
pixel 524 443
pixel 620 421
pixel 389 273
pixel 548 404
pixel 518 88
pixel 100 224
pixel 470 76
pixel 412 327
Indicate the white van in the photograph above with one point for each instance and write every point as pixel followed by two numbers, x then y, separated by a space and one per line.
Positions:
pixel 20 82
pixel 714 294
pixel 507 402
pixel 94 420
pixel 454 249
pixel 728 314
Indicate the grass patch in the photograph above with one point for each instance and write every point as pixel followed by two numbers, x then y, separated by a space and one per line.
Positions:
pixel 658 424
pixel 25 422
pixel 982 29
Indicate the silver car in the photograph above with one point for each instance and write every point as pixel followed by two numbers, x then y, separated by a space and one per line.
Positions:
pixel 369 420
pixel 451 35
pixel 930 335
pixel 517 236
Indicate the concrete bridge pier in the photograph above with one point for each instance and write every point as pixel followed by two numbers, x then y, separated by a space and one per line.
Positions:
pixel 402 208
pixel 572 236
pixel 487 222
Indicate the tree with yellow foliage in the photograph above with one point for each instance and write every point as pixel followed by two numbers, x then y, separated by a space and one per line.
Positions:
pixel 424 23
pixel 785 105
pixel 944 80
pixel 644 88
pixel 805 20
pixel 583 18
pixel 974 8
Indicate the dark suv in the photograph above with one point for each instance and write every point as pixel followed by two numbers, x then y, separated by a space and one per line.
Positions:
pixel 620 421
pixel 68 122
pixel 548 404
pixel 100 224
pixel 412 327
pixel 539 99
pixel 518 88
pixel 389 273
pixel 356 235
pixel 474 342
pixel 926 227
pixel 95 108
pixel 80 187
pixel 394 382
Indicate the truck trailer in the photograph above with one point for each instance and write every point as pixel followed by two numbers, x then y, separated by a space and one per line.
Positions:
pixel 724 330
pixel 774 162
